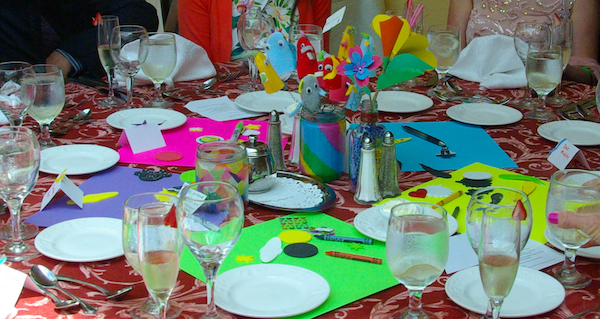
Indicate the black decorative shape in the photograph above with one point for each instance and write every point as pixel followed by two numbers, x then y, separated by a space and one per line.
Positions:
pixel 496 198
pixel 435 172
pixel 152 176
pixel 475 182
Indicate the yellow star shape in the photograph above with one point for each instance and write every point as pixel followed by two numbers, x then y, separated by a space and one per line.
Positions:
pixel 356 246
pixel 252 127
pixel 244 259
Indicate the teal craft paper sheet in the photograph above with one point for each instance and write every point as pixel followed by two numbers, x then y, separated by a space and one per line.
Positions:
pixel 349 280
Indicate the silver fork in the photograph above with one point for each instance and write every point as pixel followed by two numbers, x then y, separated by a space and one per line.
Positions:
pixel 229 76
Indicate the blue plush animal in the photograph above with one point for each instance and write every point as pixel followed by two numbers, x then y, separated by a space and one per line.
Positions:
pixel 281 54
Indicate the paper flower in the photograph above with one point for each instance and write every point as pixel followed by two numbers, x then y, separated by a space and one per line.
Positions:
pixel 360 65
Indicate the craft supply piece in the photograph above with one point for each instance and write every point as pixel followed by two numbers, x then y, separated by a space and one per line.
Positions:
pixel 94 198
pixel 294 236
pixel 77 159
pixel 168 156
pixel 521 178
pixel 450 198
pixel 478 176
pixel 435 172
pixel 438 191
pixel 445 152
pixel 366 241
pixel 368 259
pixel 301 250
pixel 271 250
pixel 580 133
pixel 208 138
pixel 484 114
pixel 149 175
pixel 419 193
pixel 260 101
pixel 166 119
pixel 475 182
pixel 402 102
pixel 294 223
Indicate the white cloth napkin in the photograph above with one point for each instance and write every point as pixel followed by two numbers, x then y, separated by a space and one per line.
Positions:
pixel 493 62
pixel 192 64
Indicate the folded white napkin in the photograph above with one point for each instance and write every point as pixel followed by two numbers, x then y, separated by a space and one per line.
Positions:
pixel 192 64
pixel 493 62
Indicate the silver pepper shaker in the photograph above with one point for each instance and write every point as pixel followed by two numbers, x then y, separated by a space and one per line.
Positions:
pixel 388 168
pixel 274 141
pixel 367 186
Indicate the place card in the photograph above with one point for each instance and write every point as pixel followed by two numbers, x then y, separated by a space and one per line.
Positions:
pixel 62 182
pixel 142 138
pixel 563 154
pixel 334 19
pixel 12 285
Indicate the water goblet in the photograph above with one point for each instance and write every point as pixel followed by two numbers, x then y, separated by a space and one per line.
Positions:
pixel 544 72
pixel 15 99
pixel 105 27
pixel 160 63
pixel 210 216
pixel 159 251
pixel 253 28
pixel 312 32
pixel 19 170
pixel 49 98
pixel 417 249
pixel 128 53
pixel 444 43
pixel 131 212
pixel 562 35
pixel 577 191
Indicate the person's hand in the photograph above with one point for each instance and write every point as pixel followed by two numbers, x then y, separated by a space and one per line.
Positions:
pixel 58 59
pixel 588 223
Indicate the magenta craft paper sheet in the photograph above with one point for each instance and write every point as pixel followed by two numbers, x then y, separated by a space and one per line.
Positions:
pixel 184 140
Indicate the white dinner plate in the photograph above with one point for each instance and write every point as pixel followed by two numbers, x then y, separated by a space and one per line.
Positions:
pixel 260 101
pixel 589 252
pixel 270 290
pixel 77 159
pixel 166 119
pixel 372 223
pixel 82 240
pixel 533 293
pixel 583 133
pixel 402 102
pixel 484 114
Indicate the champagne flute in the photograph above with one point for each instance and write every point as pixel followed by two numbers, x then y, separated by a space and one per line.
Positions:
pixel 562 35
pixel 160 63
pixel 131 210
pixel 210 216
pixel 499 252
pixel 444 43
pixel 159 250
pixel 577 191
pixel 544 72
pixel 14 98
pixel 49 98
pixel 128 53
pixel 19 170
pixel 107 23
pixel 253 28
pixel 417 249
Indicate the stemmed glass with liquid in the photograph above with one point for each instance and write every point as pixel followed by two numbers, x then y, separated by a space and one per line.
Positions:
pixel 562 35
pixel 128 53
pixel 444 43
pixel 577 191
pixel 14 98
pixel 312 32
pixel 210 216
pixel 544 71
pixel 160 63
pixel 19 170
pixel 253 28
pixel 417 249
pixel 131 215
pixel 105 27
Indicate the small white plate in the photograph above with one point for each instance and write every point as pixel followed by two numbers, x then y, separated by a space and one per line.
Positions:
pixel 82 240
pixel 402 102
pixel 260 101
pixel 583 133
pixel 589 252
pixel 372 223
pixel 166 119
pixel 77 159
pixel 270 290
pixel 484 114
pixel 533 293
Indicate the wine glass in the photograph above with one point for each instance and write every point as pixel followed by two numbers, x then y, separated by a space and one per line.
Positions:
pixel 128 53
pixel 210 216
pixel 417 249
pixel 544 72
pixel 107 23
pixel 131 212
pixel 577 191
pixel 14 98
pixel 159 250
pixel 253 28
pixel 49 98
pixel 524 34
pixel 160 63
pixel 562 35
pixel 19 170
pixel 444 43
pixel 499 252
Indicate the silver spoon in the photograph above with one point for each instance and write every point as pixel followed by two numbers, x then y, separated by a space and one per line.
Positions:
pixel 207 84
pixel 43 276
pixel 58 303
pixel 109 294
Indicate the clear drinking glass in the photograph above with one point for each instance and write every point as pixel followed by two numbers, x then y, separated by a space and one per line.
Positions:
pixel 49 98
pixel 417 249
pixel 562 35
pixel 312 32
pixel 107 24
pixel 159 247
pixel 19 168
pixel 444 43
pixel 577 191
pixel 14 98
pixel 544 71
pixel 131 212
pixel 499 252
pixel 253 28
pixel 128 53
pixel 160 63
pixel 210 216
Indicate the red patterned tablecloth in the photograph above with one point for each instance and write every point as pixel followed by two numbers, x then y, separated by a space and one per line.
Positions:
pixel 520 141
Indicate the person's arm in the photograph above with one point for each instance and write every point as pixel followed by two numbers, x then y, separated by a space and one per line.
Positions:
pixel 322 11
pixel 458 16
pixel 583 66
pixel 194 21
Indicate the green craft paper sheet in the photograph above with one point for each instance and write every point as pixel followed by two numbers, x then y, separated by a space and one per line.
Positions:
pixel 349 280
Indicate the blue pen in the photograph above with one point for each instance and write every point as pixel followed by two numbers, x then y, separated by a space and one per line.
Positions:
pixel 366 241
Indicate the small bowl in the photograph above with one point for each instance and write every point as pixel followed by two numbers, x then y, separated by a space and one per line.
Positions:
pixel 386 208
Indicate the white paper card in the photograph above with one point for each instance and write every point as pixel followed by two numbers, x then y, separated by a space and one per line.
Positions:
pixel 12 285
pixel 562 154
pixel 219 109
pixel 62 182
pixel 334 19
pixel 144 137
